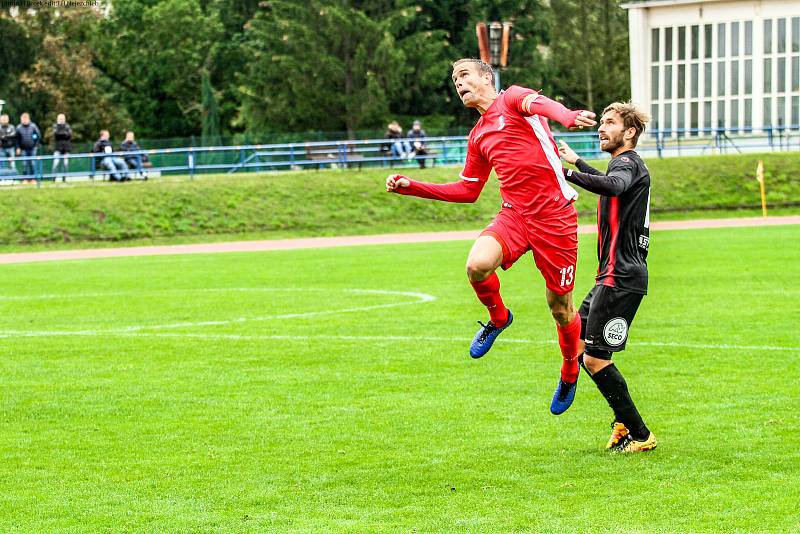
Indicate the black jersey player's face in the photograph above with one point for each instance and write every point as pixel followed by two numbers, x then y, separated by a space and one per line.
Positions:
pixel 470 85
pixel 611 132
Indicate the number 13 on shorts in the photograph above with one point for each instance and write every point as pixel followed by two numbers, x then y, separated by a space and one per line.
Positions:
pixel 567 275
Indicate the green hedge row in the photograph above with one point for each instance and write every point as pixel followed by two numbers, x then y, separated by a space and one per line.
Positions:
pixel 331 202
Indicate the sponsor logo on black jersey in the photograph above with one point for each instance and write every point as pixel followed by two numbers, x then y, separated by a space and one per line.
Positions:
pixel 615 331
pixel 644 242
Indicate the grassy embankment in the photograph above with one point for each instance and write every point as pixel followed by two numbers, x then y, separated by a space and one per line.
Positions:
pixel 340 202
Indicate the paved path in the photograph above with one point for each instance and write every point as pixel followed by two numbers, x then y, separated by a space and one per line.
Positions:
pixel 347 241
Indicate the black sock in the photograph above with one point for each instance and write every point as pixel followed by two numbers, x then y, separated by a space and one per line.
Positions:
pixel 594 379
pixel 613 387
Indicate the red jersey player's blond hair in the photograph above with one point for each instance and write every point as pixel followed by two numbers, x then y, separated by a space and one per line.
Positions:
pixel 482 68
pixel 632 117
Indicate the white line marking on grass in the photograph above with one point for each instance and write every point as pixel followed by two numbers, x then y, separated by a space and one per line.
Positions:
pixel 421 298
pixel 464 339
pixel 137 330
pixel 178 291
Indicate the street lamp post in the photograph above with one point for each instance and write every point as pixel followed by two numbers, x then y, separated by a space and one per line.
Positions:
pixel 493 43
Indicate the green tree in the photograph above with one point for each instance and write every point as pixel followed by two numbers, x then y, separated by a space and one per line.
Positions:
pixel 590 53
pixel 210 114
pixel 155 53
pixel 54 73
pixel 319 66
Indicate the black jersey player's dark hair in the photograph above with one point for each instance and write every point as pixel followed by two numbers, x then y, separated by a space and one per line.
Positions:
pixel 482 67
pixel 632 117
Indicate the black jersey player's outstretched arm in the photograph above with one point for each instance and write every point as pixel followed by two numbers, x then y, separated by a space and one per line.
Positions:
pixel 614 183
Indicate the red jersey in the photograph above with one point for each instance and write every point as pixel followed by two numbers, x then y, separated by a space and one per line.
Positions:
pixel 522 151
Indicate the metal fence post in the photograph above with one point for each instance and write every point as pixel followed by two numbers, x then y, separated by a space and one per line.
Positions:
pixel 191 163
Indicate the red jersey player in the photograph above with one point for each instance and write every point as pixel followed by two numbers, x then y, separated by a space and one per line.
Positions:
pixel 512 136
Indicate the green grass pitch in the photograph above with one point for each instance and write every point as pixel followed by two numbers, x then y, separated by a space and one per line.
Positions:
pixel 331 390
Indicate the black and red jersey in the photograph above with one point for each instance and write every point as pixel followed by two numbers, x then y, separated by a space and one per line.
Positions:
pixel 623 219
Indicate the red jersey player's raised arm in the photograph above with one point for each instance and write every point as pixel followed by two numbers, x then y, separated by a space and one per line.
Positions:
pixel 467 189
pixel 529 102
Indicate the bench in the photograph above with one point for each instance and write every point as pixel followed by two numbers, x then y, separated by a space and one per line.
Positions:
pixel 421 159
pixel 333 155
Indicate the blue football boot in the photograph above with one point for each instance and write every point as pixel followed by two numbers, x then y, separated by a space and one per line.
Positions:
pixel 563 397
pixel 485 337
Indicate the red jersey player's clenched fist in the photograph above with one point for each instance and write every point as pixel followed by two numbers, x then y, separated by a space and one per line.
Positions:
pixel 396 180
pixel 513 137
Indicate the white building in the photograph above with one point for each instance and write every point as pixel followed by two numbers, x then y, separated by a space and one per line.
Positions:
pixel 709 63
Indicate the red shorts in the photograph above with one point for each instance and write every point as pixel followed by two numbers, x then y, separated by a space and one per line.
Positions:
pixel 553 240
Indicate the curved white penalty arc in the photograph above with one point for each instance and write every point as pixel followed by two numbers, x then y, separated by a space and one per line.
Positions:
pixel 418 297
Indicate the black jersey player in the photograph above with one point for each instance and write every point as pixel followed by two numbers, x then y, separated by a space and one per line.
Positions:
pixel 623 218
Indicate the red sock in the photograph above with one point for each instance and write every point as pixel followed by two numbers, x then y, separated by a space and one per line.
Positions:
pixel 568 339
pixel 488 292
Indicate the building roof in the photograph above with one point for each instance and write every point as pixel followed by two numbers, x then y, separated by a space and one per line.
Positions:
pixel 638 4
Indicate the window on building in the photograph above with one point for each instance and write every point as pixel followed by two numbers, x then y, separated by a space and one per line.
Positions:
pixel 748 38
pixel 767 112
pixel 734 39
pixel 694 116
pixel 721 53
pixel 748 76
pixel 654 82
pixel 682 81
pixel 667 116
pixel 708 40
pixel 721 114
pixel 668 81
pixel 768 36
pixel 695 42
pixel 668 44
pixel 795 75
pixel 795 112
pixel 654 117
pixel 734 116
pixel 796 34
pixel 720 78
pixel 681 120
pixel 707 73
pixel 781 35
pixel 735 77
pixel 695 82
pixel 707 114
pixel 781 86
pixel 748 112
pixel 767 75
pixel 780 112
pixel 654 45
pixel 682 42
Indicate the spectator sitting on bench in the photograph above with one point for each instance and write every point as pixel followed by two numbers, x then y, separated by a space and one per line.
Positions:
pixel 115 164
pixel 137 160
pixel 417 137
pixel 399 147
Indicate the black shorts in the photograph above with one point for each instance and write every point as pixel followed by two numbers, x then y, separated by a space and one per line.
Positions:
pixel 606 315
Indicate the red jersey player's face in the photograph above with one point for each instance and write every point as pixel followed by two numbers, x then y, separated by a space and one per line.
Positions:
pixel 470 85
pixel 611 132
